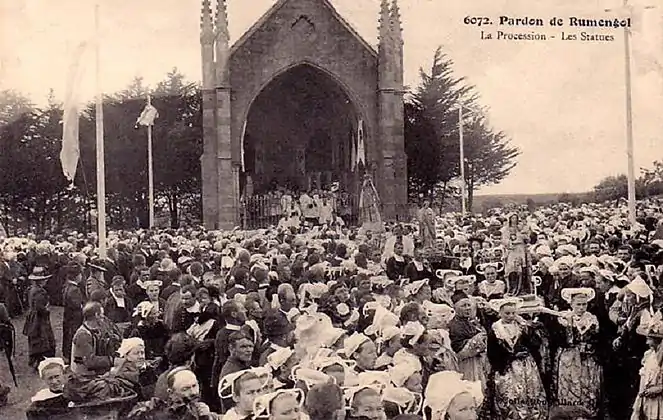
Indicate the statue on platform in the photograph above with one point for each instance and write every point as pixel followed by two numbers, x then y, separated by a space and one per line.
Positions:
pixel 426 219
pixel 518 264
pixel 369 207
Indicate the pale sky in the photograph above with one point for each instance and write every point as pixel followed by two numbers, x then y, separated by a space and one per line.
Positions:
pixel 562 103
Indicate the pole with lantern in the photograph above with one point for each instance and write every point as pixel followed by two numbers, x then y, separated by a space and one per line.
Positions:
pixel 147 118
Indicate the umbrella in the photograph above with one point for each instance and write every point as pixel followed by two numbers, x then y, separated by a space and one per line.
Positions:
pixel 7 340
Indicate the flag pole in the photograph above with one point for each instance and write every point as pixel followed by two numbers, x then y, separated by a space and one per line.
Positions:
pixel 101 171
pixel 150 169
pixel 462 158
pixel 629 125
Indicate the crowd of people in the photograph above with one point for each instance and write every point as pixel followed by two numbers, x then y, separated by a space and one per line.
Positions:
pixel 286 207
pixel 526 315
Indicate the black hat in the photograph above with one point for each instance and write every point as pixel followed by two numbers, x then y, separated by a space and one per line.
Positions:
pixel 72 270
pixel 458 296
pixel 39 273
pixel 96 266
pixel 276 324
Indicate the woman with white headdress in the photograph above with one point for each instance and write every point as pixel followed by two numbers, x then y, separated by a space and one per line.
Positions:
pixel 449 397
pixel 279 405
pixel 491 287
pixel 577 372
pixel 439 316
pixel 132 358
pixel 150 328
pixel 49 403
pixel 630 345
pixel 517 389
pixel 362 350
pixel 649 402
pixel 152 290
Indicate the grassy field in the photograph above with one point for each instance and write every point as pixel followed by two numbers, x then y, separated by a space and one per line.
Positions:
pixel 28 381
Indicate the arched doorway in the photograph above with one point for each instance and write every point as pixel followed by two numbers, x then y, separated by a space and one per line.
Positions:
pixel 299 135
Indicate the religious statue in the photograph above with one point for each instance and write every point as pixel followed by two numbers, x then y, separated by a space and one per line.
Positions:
pixel 369 206
pixel 518 264
pixel 426 218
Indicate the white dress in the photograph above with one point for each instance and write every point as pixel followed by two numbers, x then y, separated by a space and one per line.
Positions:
pixel 650 375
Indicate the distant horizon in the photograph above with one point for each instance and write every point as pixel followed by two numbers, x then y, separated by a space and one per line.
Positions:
pixel 529 194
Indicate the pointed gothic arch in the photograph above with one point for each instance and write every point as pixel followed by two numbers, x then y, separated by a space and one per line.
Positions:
pixel 295 35
pixel 303 111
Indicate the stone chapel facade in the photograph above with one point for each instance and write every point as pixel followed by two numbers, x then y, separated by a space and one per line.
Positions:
pixel 292 34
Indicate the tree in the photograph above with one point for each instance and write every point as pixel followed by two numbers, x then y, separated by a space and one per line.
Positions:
pixel 178 144
pixel 125 153
pixel 432 136
pixel 431 127
pixel 136 89
pixel 13 106
pixel 34 187
pixel 653 178
pixel 616 187
pixel 489 156
pixel 611 188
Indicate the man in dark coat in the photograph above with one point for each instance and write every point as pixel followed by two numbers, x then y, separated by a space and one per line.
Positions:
pixel 173 287
pixel 111 264
pixel 73 305
pixel 235 317
pixel 92 356
pixel 187 310
pixel 240 354
pixel 134 290
pixel 278 331
pixel 124 261
pixel 96 281
pixel 9 294
pixel 37 327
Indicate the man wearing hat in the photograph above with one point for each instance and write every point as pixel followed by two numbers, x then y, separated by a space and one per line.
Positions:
pixel 278 331
pixel 37 327
pixel 96 279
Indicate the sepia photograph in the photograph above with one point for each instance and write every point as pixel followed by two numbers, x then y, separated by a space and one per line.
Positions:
pixel 331 210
